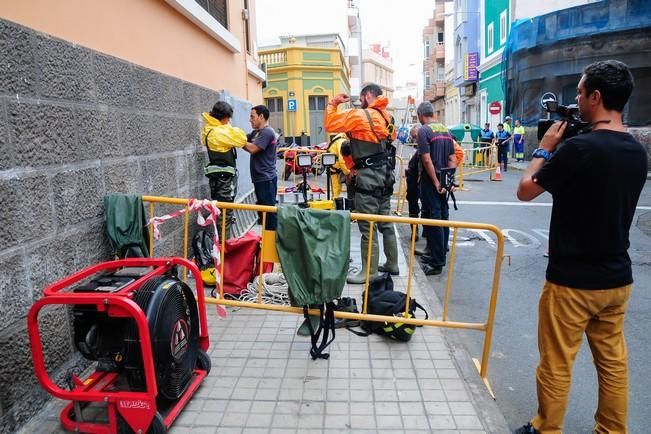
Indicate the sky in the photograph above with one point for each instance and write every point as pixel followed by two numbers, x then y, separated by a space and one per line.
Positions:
pixel 398 24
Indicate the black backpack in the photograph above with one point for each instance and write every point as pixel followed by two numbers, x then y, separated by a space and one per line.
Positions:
pixel 202 245
pixel 383 300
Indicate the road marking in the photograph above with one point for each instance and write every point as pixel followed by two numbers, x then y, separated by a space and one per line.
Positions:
pixel 543 233
pixel 484 234
pixel 543 204
pixel 534 243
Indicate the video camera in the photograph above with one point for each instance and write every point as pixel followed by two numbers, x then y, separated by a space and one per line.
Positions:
pixel 570 114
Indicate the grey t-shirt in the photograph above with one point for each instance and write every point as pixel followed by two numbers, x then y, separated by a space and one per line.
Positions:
pixel 263 163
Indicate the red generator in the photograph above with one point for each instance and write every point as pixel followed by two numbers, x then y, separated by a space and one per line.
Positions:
pixel 147 335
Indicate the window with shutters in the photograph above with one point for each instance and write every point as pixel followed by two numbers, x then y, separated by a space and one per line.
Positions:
pixel 217 9
pixel 274 104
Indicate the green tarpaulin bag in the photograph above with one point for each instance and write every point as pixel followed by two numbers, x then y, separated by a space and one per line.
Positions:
pixel 314 246
pixel 125 221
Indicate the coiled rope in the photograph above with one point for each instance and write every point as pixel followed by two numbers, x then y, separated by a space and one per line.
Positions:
pixel 274 289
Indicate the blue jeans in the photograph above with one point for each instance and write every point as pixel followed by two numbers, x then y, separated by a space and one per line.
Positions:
pixel 265 193
pixel 435 206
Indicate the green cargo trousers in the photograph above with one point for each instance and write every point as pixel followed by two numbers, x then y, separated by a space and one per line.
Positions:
pixel 223 188
pixel 374 180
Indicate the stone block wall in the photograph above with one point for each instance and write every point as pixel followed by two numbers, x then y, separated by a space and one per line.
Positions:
pixel 75 125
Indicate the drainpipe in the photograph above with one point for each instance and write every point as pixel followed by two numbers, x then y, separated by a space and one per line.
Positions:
pixel 245 19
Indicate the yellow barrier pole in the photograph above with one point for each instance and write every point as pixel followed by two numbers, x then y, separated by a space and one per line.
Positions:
pixel 222 254
pixel 411 268
pixel 350 315
pixel 186 224
pixel 448 289
pixel 402 187
pixel 461 177
pixel 492 305
pixel 264 225
pixel 368 264
pixel 151 230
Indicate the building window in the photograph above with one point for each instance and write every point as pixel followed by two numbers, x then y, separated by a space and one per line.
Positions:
pixel 317 103
pixel 216 8
pixel 274 104
pixel 439 37
pixel 503 28
pixel 489 38
pixel 426 48
pixel 427 80
pixel 440 72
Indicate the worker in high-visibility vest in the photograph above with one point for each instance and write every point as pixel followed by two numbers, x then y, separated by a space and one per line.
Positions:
pixel 518 141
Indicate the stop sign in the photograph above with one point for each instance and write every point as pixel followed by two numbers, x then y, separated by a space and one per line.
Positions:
pixel 495 108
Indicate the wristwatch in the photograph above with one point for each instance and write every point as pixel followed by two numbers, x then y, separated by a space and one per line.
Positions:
pixel 541 153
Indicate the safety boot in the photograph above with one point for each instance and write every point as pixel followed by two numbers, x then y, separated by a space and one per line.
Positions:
pixel 391 252
pixel 360 276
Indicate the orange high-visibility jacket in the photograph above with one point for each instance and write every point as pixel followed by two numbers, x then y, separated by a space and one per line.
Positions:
pixel 355 123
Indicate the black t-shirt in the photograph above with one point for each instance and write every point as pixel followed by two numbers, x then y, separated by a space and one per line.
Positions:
pixel 412 166
pixel 595 180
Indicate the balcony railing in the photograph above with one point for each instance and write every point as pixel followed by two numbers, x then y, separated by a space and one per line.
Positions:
pixel 274 58
pixel 439 14
pixel 435 91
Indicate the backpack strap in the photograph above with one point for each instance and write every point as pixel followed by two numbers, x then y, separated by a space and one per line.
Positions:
pixel 418 306
pixel 326 324
pixel 358 333
pixel 370 122
pixel 205 142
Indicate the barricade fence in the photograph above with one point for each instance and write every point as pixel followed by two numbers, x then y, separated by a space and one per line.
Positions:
pixel 479 157
pixel 270 254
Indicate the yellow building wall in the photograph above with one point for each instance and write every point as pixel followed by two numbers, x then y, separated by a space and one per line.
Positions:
pixel 289 71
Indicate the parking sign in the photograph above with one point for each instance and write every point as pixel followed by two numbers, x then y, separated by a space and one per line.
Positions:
pixel 291 105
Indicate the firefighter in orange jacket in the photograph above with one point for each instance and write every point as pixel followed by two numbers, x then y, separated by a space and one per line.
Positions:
pixel 371 132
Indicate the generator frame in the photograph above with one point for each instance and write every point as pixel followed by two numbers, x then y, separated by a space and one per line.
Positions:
pixel 138 409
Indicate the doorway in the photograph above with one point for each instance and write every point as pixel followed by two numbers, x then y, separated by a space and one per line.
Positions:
pixel 276 120
pixel 317 105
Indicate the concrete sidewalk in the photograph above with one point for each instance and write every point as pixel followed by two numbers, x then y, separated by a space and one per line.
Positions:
pixel 263 380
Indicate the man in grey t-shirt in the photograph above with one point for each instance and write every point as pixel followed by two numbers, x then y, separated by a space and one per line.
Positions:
pixel 262 147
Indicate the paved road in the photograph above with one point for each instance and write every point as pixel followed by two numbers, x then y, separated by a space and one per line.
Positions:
pixel 514 351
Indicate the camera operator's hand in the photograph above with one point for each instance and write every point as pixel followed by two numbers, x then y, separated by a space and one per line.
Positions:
pixel 339 99
pixel 553 136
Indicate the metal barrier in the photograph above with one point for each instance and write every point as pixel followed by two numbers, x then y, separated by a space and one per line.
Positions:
pixel 270 254
pixel 297 151
pixel 479 158
pixel 402 185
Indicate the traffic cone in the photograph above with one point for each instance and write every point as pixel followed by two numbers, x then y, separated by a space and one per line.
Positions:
pixel 498 173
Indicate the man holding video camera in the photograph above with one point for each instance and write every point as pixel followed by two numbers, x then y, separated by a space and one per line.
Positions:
pixel 595 180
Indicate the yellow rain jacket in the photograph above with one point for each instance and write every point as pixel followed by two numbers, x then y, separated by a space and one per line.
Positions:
pixel 221 137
